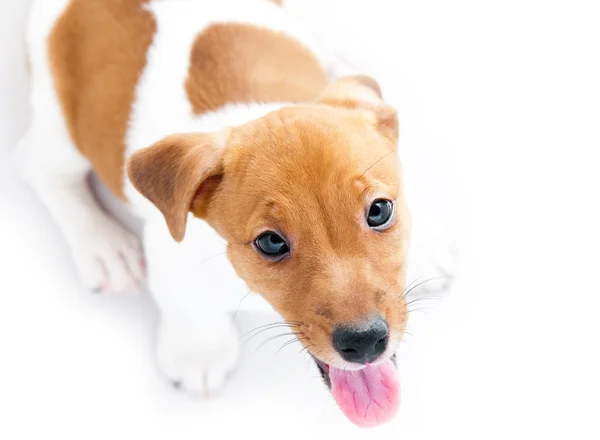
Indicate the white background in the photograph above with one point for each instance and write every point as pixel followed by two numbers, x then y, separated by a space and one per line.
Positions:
pixel 500 109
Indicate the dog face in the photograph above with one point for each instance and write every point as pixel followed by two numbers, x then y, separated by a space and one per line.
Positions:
pixel 310 201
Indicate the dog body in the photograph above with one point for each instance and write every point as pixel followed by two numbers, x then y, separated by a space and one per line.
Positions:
pixel 250 131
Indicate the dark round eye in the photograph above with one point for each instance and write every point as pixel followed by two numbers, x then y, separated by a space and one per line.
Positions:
pixel 272 245
pixel 380 214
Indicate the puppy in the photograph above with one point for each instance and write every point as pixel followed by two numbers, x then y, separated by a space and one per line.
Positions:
pixel 223 125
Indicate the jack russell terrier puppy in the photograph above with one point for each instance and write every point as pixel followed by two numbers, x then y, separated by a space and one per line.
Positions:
pixel 226 128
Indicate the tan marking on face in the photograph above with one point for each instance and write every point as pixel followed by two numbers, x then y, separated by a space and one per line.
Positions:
pixel 97 52
pixel 233 63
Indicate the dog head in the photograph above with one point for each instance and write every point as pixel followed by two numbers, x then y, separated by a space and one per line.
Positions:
pixel 310 201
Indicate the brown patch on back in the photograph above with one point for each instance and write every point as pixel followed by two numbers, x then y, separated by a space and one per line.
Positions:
pixel 233 63
pixel 97 51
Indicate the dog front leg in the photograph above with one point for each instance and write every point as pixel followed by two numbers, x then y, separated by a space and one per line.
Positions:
pixel 194 287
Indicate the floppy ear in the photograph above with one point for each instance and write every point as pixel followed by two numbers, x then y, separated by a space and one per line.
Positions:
pixel 363 92
pixel 178 171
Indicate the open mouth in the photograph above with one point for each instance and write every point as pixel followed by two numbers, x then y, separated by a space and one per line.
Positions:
pixel 368 396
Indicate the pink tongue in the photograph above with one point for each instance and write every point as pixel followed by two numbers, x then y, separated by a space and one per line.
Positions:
pixel 368 397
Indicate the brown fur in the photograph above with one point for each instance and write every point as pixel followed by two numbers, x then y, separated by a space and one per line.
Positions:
pixel 309 172
pixel 234 62
pixel 183 163
pixel 97 51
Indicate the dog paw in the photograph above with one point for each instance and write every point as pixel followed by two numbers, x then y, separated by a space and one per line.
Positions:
pixel 198 361
pixel 109 258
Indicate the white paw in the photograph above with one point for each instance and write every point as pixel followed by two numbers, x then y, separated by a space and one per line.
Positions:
pixel 109 258
pixel 198 360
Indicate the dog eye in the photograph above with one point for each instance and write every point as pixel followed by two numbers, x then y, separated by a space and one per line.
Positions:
pixel 380 214
pixel 272 245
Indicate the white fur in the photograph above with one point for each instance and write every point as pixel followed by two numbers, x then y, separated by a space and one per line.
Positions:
pixel 193 284
pixel 198 354
pixel 108 257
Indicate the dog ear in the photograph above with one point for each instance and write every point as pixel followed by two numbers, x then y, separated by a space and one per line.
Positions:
pixel 363 92
pixel 177 172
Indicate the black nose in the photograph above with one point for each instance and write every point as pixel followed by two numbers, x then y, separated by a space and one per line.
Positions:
pixel 361 344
